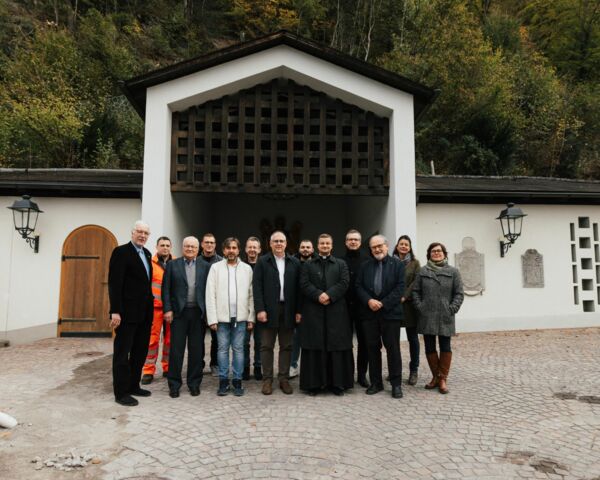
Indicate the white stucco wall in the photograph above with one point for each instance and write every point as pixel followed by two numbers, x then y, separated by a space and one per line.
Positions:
pixel 158 205
pixel 505 304
pixel 30 282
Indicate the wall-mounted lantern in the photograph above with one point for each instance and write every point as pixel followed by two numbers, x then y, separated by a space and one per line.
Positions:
pixel 511 221
pixel 25 216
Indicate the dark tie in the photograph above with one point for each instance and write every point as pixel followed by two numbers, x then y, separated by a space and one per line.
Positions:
pixel 144 261
pixel 377 285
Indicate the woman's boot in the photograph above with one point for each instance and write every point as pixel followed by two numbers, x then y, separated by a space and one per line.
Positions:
pixel 433 361
pixel 444 367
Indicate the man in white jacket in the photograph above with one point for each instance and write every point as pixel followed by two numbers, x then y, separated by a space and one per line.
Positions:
pixel 230 312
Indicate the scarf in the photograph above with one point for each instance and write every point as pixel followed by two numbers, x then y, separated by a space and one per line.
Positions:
pixel 437 266
pixel 407 259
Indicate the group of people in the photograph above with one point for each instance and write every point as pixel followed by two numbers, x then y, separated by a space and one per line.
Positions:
pixel 311 302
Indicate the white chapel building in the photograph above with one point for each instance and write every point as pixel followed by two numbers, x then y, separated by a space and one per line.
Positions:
pixel 281 132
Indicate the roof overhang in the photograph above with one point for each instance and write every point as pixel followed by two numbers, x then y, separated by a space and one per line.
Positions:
pixel 430 189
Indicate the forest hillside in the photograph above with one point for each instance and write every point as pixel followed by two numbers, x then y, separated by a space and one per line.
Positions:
pixel 519 80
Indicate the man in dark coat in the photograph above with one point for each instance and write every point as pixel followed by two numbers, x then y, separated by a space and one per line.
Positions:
pixel 325 329
pixel 208 253
pixel 355 256
pixel 131 308
pixel 306 252
pixel 275 290
pixel 183 296
pixel 379 288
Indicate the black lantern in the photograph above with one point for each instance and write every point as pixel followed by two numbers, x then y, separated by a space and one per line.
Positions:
pixel 25 216
pixel 511 221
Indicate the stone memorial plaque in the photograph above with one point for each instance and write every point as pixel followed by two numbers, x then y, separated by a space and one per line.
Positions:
pixel 470 263
pixel 533 269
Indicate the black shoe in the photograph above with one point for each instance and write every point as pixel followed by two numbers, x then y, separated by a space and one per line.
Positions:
pixel 238 390
pixel 373 389
pixel 413 378
pixel 140 392
pixel 362 381
pixel 258 373
pixel 397 391
pixel 147 379
pixel 194 391
pixel 339 392
pixel 223 388
pixel 246 374
pixel 164 374
pixel 174 393
pixel 127 401
pixel 312 393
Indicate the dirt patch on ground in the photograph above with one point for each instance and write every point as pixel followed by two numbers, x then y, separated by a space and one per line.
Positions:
pixel 61 420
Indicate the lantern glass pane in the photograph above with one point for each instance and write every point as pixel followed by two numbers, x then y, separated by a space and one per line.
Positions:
pixel 518 226
pixel 504 225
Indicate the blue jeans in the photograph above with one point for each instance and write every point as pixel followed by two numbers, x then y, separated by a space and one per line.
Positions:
pixel 231 335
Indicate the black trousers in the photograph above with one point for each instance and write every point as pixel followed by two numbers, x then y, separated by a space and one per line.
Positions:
pixel 378 331
pixel 214 349
pixel 362 356
pixel 129 354
pixel 190 326
pixel 430 343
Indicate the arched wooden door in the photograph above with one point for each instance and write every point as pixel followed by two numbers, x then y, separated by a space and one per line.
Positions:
pixel 83 308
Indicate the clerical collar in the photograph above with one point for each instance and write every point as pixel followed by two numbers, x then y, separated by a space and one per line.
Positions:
pixel 324 257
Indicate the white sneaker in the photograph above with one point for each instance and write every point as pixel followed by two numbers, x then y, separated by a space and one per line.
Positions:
pixel 294 371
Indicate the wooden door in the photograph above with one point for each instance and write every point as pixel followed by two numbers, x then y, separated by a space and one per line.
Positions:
pixel 83 308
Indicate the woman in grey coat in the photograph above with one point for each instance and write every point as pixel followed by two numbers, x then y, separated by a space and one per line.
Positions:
pixel 437 295
pixel 412 266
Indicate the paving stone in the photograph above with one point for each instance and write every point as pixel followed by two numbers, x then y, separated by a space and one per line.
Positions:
pixel 501 420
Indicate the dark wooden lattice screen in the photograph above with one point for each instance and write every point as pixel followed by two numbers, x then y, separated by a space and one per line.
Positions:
pixel 280 137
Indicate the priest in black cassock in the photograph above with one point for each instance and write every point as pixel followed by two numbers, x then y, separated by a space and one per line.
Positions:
pixel 325 328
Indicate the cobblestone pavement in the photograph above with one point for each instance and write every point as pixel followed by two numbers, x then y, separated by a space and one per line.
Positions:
pixel 522 405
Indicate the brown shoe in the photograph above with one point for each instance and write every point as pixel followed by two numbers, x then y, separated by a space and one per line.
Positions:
pixel 267 388
pixel 444 368
pixel 286 387
pixel 433 361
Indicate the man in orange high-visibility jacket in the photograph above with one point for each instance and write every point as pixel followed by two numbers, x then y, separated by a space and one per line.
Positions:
pixel 159 264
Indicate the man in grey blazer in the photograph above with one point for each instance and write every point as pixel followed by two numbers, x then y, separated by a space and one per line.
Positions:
pixel 183 291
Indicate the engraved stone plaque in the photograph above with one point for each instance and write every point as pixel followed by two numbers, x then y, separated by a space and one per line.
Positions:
pixel 533 269
pixel 471 265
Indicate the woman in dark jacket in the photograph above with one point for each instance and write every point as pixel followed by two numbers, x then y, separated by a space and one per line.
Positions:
pixel 437 295
pixel 412 266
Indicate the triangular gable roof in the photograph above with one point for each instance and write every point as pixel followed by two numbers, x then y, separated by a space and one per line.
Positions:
pixel 135 88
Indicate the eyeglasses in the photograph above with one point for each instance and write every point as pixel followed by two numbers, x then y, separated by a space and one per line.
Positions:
pixel 277 241
pixel 142 232
pixel 377 247
pixel 353 239
pixel 437 250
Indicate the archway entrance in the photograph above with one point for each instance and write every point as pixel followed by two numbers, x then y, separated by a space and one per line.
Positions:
pixel 83 307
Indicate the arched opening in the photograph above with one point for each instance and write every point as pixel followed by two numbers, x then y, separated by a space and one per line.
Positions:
pixel 83 306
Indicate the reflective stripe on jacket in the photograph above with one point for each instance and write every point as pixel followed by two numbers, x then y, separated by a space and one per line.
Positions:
pixel 157 280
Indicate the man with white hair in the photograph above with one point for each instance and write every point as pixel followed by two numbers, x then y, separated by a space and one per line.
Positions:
pixel 131 304
pixel 183 292
pixel 379 288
